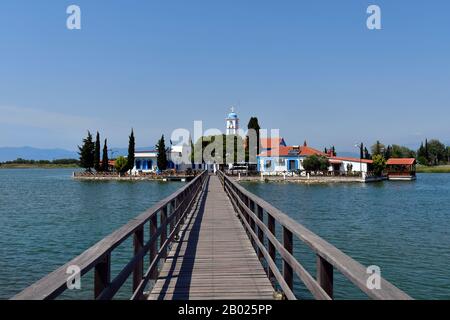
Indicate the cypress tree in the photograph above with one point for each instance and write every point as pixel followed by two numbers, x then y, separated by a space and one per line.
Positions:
pixel 367 154
pixel 86 152
pixel 192 153
pixel 97 153
pixel 333 151
pixel 131 147
pixel 388 152
pixel 161 159
pixel 254 124
pixel 427 153
pixel 105 159
pixel 361 151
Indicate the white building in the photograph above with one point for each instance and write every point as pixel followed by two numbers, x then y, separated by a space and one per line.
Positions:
pixel 232 123
pixel 178 158
pixel 281 159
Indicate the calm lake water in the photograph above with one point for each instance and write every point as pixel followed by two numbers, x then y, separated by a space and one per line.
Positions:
pixel 46 218
pixel 402 227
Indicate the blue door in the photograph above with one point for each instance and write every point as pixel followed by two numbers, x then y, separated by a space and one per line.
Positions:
pixel 292 165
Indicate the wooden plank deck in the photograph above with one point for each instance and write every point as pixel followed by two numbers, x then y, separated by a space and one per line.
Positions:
pixel 214 258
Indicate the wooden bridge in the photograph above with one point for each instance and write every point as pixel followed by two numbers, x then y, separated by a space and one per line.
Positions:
pixel 212 239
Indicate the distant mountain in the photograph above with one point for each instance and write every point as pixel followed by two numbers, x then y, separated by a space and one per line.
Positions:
pixel 30 153
pixel 347 154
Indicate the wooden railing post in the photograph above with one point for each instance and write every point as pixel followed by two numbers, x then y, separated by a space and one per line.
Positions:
pixel 272 252
pixel 173 204
pixel 138 271
pixel 287 269
pixel 183 197
pixel 102 275
pixel 153 246
pixel 260 211
pixel 325 275
pixel 251 206
pixel 163 225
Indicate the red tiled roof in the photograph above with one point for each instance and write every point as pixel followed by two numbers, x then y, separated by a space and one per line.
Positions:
pixel 110 162
pixel 267 143
pixel 283 151
pixel 308 151
pixel 352 159
pixel 401 161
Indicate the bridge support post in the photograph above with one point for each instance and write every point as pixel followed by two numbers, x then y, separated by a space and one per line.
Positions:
pixel 153 246
pixel 102 275
pixel 287 269
pixel 260 231
pixel 325 275
pixel 272 252
pixel 138 271
pixel 164 231
pixel 173 205
pixel 251 221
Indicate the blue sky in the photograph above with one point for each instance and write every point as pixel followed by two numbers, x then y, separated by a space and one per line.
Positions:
pixel 310 68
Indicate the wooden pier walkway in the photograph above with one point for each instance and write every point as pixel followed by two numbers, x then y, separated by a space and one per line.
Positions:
pixel 214 258
pixel 212 239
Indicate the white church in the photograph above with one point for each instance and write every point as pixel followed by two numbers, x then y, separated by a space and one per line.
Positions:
pixel 232 121
pixel 146 161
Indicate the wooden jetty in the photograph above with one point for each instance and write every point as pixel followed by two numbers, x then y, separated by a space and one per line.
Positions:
pixel 213 239
pixel 214 258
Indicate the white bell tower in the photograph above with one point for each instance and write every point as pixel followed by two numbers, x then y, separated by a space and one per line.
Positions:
pixel 232 123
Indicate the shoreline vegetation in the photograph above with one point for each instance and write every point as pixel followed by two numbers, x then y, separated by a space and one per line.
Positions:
pixel 433 169
pixel 40 164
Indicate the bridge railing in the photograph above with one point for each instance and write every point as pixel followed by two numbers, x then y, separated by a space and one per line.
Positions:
pixel 163 219
pixel 261 220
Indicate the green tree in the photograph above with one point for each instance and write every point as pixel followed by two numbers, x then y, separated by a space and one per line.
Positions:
pixel 361 151
pixel 379 164
pixel 421 155
pixel 316 163
pixel 229 148
pixel 366 154
pixel 161 158
pixel 192 153
pixel 324 163
pixel 131 149
pixel 253 124
pixel 377 148
pixel 105 159
pixel 402 152
pixel 388 152
pixel 121 164
pixel 448 154
pixel 86 152
pixel 97 153
pixel 436 151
